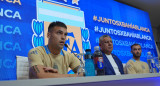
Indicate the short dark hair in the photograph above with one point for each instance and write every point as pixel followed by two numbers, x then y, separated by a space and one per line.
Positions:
pixel 103 36
pixel 56 23
pixel 135 45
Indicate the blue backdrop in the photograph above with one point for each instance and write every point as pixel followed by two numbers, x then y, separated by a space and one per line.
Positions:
pixel 16 29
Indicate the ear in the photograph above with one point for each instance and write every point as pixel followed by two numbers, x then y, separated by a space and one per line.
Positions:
pixel 48 35
pixel 100 44
pixel 131 51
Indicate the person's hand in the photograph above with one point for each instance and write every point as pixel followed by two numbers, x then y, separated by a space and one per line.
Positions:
pixel 49 69
pixel 80 74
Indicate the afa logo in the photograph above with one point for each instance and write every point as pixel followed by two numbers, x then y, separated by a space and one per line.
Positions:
pixel 74 40
pixel 79 43
pixel 73 17
pixel 37 37
pixel 74 48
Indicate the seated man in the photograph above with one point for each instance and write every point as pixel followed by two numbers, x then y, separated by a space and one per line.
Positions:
pixel 51 61
pixel 112 64
pixel 134 65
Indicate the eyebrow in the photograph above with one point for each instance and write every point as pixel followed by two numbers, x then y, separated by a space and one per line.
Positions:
pixel 108 41
pixel 59 30
pixel 136 48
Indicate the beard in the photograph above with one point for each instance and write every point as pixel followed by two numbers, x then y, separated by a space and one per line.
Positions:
pixel 137 55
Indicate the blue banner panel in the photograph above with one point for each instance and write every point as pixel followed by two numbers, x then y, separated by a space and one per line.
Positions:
pixel 126 25
pixel 15 34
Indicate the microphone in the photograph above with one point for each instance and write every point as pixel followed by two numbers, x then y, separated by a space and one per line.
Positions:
pixel 69 49
pixel 73 52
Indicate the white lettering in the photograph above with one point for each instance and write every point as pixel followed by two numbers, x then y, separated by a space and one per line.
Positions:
pixel 10 46
pixel 10 14
pixel 9 29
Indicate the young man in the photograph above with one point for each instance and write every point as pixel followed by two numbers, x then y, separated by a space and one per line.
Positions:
pixel 112 64
pixel 51 61
pixel 134 65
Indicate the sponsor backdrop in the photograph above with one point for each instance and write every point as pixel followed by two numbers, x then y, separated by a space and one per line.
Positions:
pixel 23 25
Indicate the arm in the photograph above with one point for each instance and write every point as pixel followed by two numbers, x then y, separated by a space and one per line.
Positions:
pixel 38 71
pixel 75 70
pixel 130 69
pixel 146 68
pixel 75 65
pixel 37 68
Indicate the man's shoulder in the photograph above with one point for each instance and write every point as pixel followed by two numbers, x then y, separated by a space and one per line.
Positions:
pixel 66 52
pixel 144 63
pixel 130 61
pixel 36 50
pixel 113 55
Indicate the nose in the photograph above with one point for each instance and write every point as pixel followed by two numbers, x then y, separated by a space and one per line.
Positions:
pixel 137 51
pixel 110 43
pixel 63 37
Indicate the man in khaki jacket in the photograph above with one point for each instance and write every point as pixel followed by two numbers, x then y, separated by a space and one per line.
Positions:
pixel 134 65
pixel 51 61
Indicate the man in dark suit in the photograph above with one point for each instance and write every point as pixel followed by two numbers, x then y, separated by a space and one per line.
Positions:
pixel 112 64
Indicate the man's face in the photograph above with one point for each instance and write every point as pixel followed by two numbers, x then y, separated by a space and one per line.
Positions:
pixel 106 45
pixel 136 51
pixel 57 37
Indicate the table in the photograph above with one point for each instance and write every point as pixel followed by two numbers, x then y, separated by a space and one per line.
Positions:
pixel 108 80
